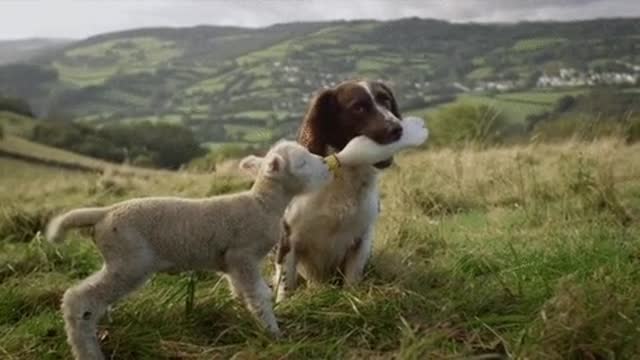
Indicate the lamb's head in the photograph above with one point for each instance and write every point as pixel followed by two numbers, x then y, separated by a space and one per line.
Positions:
pixel 292 165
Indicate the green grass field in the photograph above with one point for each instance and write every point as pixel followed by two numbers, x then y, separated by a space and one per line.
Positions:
pixel 127 56
pixel 248 133
pixel 515 106
pixel 27 148
pixel 16 124
pixel 527 252
pixel 537 43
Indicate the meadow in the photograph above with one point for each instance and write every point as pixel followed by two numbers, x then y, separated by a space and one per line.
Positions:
pixel 527 252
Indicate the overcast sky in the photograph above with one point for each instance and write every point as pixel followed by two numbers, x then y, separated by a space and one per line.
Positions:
pixel 82 18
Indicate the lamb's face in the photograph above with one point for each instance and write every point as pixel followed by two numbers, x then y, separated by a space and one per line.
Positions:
pixel 291 164
pixel 307 171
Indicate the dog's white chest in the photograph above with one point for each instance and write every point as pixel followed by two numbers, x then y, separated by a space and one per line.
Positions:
pixel 349 204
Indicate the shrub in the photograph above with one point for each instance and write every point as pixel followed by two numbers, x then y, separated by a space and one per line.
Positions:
pixel 16 105
pixel 161 145
pixel 208 162
pixel 464 123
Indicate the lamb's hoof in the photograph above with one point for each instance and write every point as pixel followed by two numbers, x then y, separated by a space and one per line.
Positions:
pixel 276 334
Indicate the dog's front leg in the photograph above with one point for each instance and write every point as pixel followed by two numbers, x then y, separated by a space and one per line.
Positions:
pixel 357 257
pixel 286 276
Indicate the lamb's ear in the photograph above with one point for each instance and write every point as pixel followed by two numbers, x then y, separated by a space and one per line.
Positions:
pixel 315 128
pixel 275 164
pixel 251 164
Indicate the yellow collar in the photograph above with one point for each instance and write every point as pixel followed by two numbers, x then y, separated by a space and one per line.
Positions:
pixel 333 163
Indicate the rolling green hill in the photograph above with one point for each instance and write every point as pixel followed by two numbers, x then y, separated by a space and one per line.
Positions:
pixel 234 84
pixel 15 147
pixel 21 50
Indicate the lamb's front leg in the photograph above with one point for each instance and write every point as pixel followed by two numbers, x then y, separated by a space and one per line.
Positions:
pixel 357 257
pixel 245 279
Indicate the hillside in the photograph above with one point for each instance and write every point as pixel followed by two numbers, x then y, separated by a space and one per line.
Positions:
pixel 252 85
pixel 14 145
pixel 22 50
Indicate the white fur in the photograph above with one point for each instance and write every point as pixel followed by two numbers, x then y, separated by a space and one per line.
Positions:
pixel 387 114
pixel 230 234
pixel 331 230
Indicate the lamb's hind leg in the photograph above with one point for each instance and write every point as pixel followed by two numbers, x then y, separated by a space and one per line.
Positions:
pixel 84 304
pixel 245 279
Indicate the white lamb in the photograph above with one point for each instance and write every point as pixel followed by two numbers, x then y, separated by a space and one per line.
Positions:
pixel 230 234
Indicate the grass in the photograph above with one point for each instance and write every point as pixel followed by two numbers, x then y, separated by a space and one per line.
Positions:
pixel 28 148
pixel 520 252
pixel 255 114
pixel 481 73
pixel 84 76
pixel 514 111
pixel 168 118
pixel 541 97
pixel 16 124
pixel 516 106
pixel 212 85
pixel 249 133
pixel 128 56
pixel 537 43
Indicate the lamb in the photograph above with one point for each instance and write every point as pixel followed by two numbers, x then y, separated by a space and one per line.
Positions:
pixel 230 234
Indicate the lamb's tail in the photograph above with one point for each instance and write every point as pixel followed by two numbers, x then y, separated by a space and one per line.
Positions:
pixel 73 219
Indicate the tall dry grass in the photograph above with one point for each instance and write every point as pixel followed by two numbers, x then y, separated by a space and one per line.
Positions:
pixel 526 252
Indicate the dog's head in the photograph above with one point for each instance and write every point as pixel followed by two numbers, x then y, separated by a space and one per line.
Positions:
pixel 351 109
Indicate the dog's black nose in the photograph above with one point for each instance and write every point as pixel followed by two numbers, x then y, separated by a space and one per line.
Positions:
pixel 395 132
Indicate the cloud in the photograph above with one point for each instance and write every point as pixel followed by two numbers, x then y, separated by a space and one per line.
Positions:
pixel 68 18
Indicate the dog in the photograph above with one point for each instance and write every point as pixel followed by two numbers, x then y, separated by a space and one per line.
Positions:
pixel 330 232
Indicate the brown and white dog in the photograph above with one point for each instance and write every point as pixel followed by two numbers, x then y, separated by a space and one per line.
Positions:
pixel 330 232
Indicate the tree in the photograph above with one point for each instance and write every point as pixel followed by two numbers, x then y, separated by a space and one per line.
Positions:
pixel 564 104
pixel 16 105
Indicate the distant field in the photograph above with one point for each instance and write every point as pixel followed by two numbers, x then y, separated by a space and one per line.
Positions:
pixel 537 43
pixel 248 133
pixel 16 124
pixel 55 158
pixel 481 73
pixel 93 64
pixel 27 148
pixel 217 145
pixel 169 118
pixel 544 97
pixel 515 106
pixel 256 114
pixel 513 111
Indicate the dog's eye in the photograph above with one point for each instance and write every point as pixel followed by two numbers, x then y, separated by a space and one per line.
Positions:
pixel 385 101
pixel 301 164
pixel 360 108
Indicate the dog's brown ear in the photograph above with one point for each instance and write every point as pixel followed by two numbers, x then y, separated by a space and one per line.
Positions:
pixel 314 132
pixel 394 104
